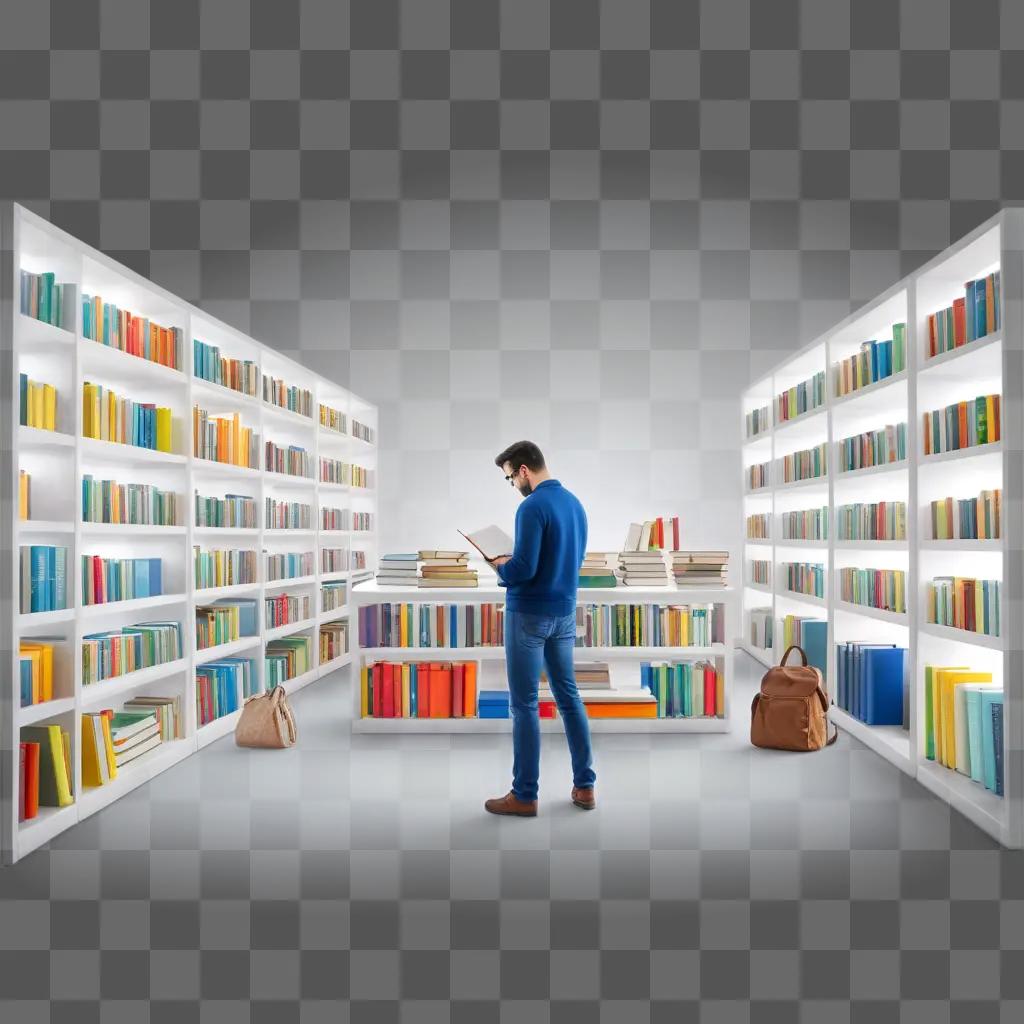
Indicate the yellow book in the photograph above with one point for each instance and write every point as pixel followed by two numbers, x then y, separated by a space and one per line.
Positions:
pixel 403 625
pixel 42 668
pixel 108 744
pixel 406 696
pixel 948 680
pixel 24 492
pixel 163 429
pixel 50 406
pixel 364 690
pixel 92 773
pixel 990 416
pixel 932 673
pixel 719 693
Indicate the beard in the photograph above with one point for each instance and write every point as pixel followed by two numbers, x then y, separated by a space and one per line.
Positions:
pixel 525 489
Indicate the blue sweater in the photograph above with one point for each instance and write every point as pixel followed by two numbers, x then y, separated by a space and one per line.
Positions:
pixel 551 539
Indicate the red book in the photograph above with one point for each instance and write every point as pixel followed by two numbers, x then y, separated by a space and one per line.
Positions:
pixel 441 691
pixel 378 690
pixel 998 430
pixel 709 691
pixel 396 689
pixel 959 323
pixel 458 689
pixel 675 533
pixel 388 698
pixel 931 334
pixel 546 708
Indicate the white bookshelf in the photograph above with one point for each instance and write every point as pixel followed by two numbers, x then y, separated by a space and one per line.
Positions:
pixel 624 662
pixel 57 462
pixel 993 364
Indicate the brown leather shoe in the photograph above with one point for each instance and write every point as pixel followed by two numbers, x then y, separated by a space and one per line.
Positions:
pixel 583 797
pixel 512 805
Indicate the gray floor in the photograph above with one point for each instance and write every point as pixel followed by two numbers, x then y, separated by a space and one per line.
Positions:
pixel 356 879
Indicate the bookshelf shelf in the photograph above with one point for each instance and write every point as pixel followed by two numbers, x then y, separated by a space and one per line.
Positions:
pixel 761 587
pixel 792 542
pixel 625 661
pixel 786 426
pixel 57 463
pixel 986 366
pixel 798 485
pixel 794 595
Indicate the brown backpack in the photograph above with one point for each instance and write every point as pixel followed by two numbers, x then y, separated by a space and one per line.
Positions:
pixel 791 711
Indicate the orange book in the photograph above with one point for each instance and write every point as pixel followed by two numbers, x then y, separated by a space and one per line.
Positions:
pixel 458 689
pixel 423 709
pixel 441 690
pixel 469 691
pixel 990 303
pixel 621 709
pixel 961 412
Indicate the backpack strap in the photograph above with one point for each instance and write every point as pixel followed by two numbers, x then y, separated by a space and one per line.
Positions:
pixel 794 647
pixel 825 706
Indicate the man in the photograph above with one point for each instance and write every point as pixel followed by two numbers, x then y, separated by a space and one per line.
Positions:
pixel 542 576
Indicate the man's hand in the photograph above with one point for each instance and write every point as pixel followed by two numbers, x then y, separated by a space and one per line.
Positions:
pixel 500 560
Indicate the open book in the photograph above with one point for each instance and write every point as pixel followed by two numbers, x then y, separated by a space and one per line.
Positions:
pixel 491 541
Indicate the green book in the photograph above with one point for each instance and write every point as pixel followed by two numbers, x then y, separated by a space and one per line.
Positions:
pixel 597 581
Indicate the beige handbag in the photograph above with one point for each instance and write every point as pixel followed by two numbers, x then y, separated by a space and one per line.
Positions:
pixel 266 721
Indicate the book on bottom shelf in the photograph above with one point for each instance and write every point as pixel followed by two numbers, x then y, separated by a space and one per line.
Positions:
pixel 421 689
pixel 55 777
pixel 871 682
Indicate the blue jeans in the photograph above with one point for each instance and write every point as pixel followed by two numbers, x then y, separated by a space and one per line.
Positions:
pixel 530 641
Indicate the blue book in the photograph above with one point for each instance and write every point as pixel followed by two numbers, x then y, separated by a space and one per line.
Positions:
pixel 156 577
pixel 413 688
pixel 990 698
pixel 453 626
pixel 884 672
pixel 970 320
pixel 37 584
pixel 972 703
pixel 60 595
pixel 997 744
pixel 26 681
pixel 980 309
pixel 814 637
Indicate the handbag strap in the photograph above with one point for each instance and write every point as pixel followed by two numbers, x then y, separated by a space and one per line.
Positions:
pixel 794 647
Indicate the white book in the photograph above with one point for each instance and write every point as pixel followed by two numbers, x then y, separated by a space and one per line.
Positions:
pixel 491 541
pixel 137 751
pixel 633 537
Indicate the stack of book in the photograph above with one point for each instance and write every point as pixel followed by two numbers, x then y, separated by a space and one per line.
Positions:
pixel 591 678
pixel 398 570
pixel 640 565
pixel 446 569
pixel 600 699
pixel 597 570
pixel 963 723
pixel 493 704
pixel 167 711
pixel 133 733
pixel 701 568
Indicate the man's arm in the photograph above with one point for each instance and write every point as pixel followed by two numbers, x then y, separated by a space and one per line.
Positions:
pixel 522 566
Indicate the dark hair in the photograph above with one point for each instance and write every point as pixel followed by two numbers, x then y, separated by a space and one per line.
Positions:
pixel 522 453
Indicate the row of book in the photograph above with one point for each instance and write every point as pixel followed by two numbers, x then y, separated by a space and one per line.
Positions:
pixel 287 396
pixel 964 603
pixel 24 495
pixel 287 658
pixel 223 438
pixel 221 686
pixel 649 625
pixel 873 520
pixel 288 565
pixel 758 420
pixel 334 471
pixel 43 578
pixel 287 515
pixel 117 652
pixel 361 476
pixel 224 567
pixel 362 431
pixel 873 448
pixel 37 404
pixel 335 518
pixel 874 361
pixel 811 635
pixel 137 335
pixel 974 316
pixel 35 668
pixel 334 560
pixel 283 609
pixel 963 724
pixel 804 578
pixel 46 778
pixel 808 464
pixel 761 628
pixel 418 689
pixel 112 741
pixel 235 511
pixel 108 417
pixel 801 398
pixel 700 568
pixel 597 570
pixel 225 620
pixel 685 689
pixel 431 625
pixel 361 522
pixel 968 518
pixel 292 461
pixel 962 425
pixel 656 534
pixel 42 298
pixel 333 640
pixel 885 589
pixel 427 568
pixel 761 571
pixel 758 475
pixel 332 419
pixel 357 560
pixel 805 524
pixel 758 526
pixel 872 683
pixel 209 364
pixel 107 501
pixel 120 579
pixel 332 595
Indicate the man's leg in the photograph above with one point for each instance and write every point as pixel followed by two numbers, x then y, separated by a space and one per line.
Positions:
pixel 562 676
pixel 524 651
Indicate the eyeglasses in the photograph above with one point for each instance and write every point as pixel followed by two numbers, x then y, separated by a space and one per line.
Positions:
pixel 511 478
